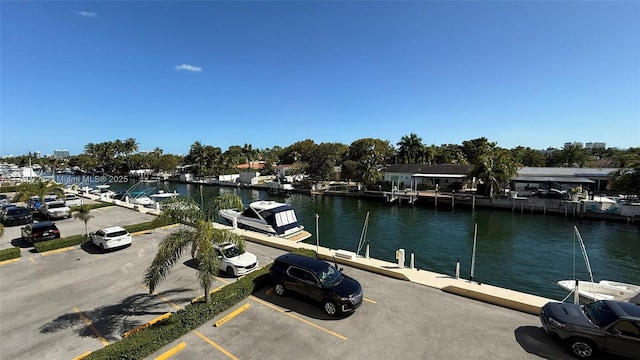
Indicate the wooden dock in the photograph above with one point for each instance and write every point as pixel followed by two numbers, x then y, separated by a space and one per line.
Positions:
pixel 408 196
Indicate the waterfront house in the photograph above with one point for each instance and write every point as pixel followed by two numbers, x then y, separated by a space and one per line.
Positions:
pixel 546 178
pixel 416 176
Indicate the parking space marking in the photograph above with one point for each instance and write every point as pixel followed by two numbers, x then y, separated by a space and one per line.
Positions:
pixel 9 261
pixel 201 297
pixel 56 251
pixel 31 258
pixel 231 315
pixel 298 318
pixel 369 300
pixel 89 323
pixel 169 353
pixel 80 357
pixel 218 347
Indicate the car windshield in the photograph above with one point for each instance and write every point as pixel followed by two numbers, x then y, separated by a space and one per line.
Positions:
pixel 600 314
pixel 117 233
pixel 17 211
pixel 232 251
pixel 329 276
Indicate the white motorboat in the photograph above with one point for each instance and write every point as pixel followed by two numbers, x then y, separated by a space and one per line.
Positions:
pixel 268 217
pixel 142 200
pixel 604 290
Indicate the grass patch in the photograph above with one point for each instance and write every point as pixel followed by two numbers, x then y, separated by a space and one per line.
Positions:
pixel 151 339
pixel 8 254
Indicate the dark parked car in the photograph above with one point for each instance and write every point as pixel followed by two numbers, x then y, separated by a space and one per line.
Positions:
pixel 16 215
pixel 40 231
pixel 606 325
pixel 318 281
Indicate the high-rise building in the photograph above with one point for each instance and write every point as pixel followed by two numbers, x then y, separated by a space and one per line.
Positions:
pixel 595 145
pixel 61 153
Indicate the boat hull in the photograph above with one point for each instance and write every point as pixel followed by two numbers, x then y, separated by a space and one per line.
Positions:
pixel 603 290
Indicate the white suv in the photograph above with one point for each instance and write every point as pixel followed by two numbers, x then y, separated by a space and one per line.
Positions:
pixel 233 262
pixel 110 238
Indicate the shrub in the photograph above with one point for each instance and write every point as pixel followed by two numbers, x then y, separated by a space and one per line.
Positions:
pixel 10 253
pixel 60 243
pixel 305 252
pixel 148 340
pixel 146 226
pixel 92 206
pixel 10 188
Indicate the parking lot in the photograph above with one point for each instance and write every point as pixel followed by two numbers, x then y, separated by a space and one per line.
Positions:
pixel 102 217
pixel 66 304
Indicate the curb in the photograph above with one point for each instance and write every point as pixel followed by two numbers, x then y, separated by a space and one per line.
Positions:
pixel 492 299
pixel 9 261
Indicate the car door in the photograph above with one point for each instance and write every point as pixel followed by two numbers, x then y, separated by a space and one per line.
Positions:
pixel 98 236
pixel 305 283
pixel 623 338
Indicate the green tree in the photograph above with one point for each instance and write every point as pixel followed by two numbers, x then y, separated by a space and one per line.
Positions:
pixel 574 155
pixel 299 151
pixel 199 236
pixel 39 188
pixel 496 167
pixel 410 147
pixel 83 214
pixel 323 159
pixel 528 156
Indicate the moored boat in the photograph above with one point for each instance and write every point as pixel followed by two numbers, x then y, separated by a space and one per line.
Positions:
pixel 268 217
pixel 604 290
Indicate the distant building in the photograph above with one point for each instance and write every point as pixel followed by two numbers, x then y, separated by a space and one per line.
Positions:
pixel 595 145
pixel 573 143
pixel 61 154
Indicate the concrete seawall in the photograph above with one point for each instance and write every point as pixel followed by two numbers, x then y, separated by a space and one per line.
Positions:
pixel 483 292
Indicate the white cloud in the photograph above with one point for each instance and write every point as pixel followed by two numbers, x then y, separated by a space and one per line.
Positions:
pixel 189 68
pixel 86 13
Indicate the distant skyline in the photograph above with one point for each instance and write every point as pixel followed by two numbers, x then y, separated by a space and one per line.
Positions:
pixel 169 73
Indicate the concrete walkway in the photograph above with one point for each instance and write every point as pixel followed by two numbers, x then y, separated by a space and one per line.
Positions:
pixel 488 293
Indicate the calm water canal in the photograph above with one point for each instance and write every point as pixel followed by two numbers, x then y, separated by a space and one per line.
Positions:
pixel 524 252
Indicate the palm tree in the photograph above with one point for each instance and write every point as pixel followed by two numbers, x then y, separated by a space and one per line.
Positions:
pixel 83 214
pixel 199 235
pixel 410 146
pixel 39 188
pixel 495 167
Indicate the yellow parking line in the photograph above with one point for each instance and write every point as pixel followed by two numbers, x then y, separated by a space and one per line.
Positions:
pixel 80 357
pixel 146 325
pixel 210 342
pixel 33 261
pixel 56 251
pixel 199 298
pixel 231 315
pixel 369 300
pixel 169 353
pixel 175 306
pixel 9 261
pixel 89 323
pixel 298 318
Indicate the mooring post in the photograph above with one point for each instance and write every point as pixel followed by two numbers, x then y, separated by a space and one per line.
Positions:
pixel 473 203
pixel 458 269
pixel 436 201
pixel 412 264
pixel 453 199
pixel 521 207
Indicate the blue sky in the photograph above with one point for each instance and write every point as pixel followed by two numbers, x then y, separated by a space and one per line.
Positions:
pixel 268 73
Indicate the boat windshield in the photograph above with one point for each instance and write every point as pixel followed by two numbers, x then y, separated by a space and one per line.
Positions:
pixel 600 313
pixel 329 276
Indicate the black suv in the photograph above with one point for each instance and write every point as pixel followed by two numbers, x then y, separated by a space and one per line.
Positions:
pixel 317 280
pixel 605 325
pixel 40 231
pixel 16 215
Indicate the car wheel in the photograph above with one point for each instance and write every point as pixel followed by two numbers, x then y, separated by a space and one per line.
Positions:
pixel 330 307
pixel 230 271
pixel 102 248
pixel 279 289
pixel 583 349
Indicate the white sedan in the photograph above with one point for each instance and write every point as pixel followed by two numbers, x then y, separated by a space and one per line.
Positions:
pixel 110 238
pixel 234 262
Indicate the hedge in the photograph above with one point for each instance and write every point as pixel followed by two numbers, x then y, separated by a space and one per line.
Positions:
pixel 73 240
pixel 10 188
pixel 10 253
pixel 151 339
pixel 91 206
pixel 60 243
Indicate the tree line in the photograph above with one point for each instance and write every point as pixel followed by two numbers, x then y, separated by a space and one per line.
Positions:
pixel 359 161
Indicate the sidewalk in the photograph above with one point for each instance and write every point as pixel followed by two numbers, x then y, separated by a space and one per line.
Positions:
pixel 483 292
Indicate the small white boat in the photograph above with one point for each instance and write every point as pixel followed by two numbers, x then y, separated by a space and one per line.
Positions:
pixel 142 200
pixel 604 290
pixel 161 194
pixel 268 217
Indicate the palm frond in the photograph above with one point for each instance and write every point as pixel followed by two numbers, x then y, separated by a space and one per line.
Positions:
pixel 224 201
pixel 169 251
